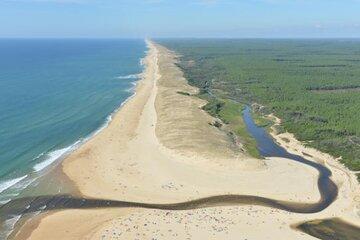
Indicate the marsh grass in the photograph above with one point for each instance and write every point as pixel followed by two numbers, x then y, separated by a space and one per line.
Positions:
pixel 230 113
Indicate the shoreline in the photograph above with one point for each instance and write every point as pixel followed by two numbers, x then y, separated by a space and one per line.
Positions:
pixel 342 176
pixel 155 95
pixel 52 168
pixel 43 159
pixel 25 229
pixel 52 160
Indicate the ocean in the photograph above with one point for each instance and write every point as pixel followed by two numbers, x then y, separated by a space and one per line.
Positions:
pixel 55 94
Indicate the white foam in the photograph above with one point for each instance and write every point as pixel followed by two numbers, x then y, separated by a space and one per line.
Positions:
pixel 53 156
pixel 130 76
pixel 9 183
pixel 8 226
pixel 25 184
pixel 3 202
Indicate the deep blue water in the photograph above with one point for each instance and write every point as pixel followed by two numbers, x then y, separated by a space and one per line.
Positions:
pixel 54 93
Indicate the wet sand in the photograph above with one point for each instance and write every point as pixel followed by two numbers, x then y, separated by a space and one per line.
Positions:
pixel 333 228
pixel 160 148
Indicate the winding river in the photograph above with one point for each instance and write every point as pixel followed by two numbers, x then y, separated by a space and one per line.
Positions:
pixel 267 147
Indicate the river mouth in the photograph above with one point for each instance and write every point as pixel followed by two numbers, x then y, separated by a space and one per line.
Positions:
pixel 330 229
pixel 267 147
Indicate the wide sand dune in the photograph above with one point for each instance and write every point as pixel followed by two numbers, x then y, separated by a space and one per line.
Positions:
pixel 160 148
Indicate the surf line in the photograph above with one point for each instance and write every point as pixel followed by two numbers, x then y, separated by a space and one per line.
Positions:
pixel 327 188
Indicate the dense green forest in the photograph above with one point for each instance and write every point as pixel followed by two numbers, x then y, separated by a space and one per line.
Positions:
pixel 312 85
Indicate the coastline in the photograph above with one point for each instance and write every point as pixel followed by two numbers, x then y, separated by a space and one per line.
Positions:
pixel 24 230
pixel 138 179
pixel 53 123
pixel 53 179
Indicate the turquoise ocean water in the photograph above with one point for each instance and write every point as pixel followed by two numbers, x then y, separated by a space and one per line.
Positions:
pixel 54 94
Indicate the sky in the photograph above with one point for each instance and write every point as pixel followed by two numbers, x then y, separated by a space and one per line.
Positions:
pixel 180 18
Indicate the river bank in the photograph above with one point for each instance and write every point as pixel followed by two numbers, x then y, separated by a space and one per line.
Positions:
pixel 160 148
pixel 345 179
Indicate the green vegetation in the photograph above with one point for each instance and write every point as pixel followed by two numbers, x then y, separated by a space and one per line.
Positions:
pixel 260 120
pixel 183 93
pixel 230 113
pixel 312 85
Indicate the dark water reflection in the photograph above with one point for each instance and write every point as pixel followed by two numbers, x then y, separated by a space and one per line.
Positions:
pixel 330 229
pixel 267 147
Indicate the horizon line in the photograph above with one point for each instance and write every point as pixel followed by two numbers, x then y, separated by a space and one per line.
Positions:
pixel 154 38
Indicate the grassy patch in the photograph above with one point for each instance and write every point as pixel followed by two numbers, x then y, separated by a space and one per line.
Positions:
pixel 230 113
pixel 312 85
pixel 183 93
pixel 261 120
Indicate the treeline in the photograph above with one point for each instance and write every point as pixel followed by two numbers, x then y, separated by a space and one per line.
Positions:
pixel 276 74
pixel 319 88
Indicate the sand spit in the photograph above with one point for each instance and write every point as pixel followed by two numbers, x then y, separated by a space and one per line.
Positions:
pixel 159 148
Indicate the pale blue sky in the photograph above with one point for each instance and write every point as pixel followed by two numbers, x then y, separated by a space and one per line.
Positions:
pixel 180 18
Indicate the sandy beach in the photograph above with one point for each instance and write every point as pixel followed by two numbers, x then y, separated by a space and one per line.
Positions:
pixel 160 148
